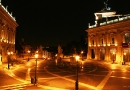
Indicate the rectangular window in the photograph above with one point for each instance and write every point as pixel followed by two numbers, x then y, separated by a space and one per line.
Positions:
pixel 113 41
pixel 92 42
pixel 102 42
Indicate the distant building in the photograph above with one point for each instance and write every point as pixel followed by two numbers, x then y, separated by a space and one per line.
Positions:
pixel 7 33
pixel 48 52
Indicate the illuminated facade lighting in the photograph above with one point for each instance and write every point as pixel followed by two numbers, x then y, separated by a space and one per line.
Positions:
pixel 7 33
pixel 108 44
pixel 116 43
pixel 127 17
pixel 89 45
pixel 104 44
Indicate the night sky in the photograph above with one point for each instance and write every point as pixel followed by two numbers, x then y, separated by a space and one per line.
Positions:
pixel 50 22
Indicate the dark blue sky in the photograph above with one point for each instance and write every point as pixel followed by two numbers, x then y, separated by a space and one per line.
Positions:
pixel 48 22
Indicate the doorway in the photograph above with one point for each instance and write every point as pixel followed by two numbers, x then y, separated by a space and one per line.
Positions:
pixel 92 53
pixel 102 54
pixel 126 55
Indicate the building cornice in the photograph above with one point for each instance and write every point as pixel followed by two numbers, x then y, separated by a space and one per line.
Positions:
pixel 7 16
pixel 111 27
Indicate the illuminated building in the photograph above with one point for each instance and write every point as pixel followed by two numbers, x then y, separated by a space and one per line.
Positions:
pixel 109 38
pixel 7 33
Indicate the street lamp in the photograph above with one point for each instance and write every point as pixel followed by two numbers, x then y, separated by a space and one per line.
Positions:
pixel 11 58
pixel 36 56
pixel 76 83
pixel 8 59
pixel 28 54
pixel 82 54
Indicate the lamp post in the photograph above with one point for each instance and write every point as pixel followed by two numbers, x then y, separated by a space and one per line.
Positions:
pixel 11 53
pixel 76 82
pixel 36 56
pixel 82 54
pixel 8 59
pixel 28 54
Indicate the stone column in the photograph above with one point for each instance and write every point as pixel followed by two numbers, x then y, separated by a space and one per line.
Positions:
pixel 119 55
pixel 98 53
pixel 107 53
pixel 89 53
pixel 107 50
pixel 119 41
pixel 89 49
pixel 96 47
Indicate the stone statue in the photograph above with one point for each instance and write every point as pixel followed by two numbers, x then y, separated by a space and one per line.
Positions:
pixel 105 5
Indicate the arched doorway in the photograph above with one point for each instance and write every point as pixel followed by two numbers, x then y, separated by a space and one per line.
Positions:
pixel 113 54
pixel 102 54
pixel 92 53
pixel 126 55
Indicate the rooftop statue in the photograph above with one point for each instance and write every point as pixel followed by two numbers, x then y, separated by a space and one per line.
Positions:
pixel 105 12
pixel 105 5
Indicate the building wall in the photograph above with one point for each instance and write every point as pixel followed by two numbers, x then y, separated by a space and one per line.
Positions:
pixel 105 42
pixel 7 33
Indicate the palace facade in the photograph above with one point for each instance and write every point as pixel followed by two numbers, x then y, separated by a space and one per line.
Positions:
pixel 7 34
pixel 109 39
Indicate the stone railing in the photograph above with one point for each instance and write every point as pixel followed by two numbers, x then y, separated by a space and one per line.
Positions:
pixel 10 14
pixel 111 21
